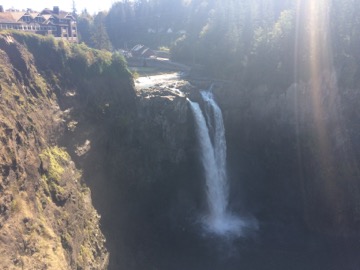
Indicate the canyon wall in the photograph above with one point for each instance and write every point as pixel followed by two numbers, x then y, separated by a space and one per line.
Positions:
pixel 72 121
pixel 47 218
pixel 71 118
pixel 294 152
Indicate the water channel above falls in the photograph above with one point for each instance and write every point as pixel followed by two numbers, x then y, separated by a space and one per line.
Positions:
pixel 160 79
pixel 221 235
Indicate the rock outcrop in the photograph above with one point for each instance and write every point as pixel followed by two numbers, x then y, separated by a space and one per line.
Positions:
pixel 47 219
pixel 142 168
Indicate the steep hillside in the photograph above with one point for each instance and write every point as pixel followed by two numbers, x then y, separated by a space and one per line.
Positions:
pixel 47 219
pixel 67 104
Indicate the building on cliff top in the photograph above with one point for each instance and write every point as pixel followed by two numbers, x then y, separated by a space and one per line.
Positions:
pixel 142 51
pixel 60 24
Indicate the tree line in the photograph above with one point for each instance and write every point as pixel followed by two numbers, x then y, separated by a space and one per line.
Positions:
pixel 151 22
pixel 252 40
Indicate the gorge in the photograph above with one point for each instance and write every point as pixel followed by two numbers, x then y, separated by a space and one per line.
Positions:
pixel 77 135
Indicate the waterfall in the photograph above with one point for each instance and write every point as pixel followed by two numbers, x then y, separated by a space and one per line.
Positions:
pixel 211 136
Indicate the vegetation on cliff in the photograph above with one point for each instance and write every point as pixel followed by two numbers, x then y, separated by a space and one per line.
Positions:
pixel 47 218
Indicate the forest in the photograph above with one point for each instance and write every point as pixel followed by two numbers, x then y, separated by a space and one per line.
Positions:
pixel 248 41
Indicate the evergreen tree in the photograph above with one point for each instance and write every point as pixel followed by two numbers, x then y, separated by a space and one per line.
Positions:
pixel 85 27
pixel 100 36
pixel 120 23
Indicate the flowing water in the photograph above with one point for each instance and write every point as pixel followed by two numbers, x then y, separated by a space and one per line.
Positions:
pixel 150 81
pixel 211 137
pixel 147 234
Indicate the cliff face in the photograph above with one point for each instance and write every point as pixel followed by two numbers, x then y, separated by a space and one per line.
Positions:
pixel 149 185
pixel 63 105
pixel 296 152
pixel 47 219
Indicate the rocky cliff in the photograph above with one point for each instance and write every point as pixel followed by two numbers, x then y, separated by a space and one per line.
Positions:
pixel 149 189
pixel 72 121
pixel 71 118
pixel 47 219
pixel 296 152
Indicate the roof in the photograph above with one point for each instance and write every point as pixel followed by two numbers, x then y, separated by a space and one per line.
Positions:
pixel 6 17
pixel 47 16
pixel 46 11
pixel 137 47
pixel 11 17
pixel 34 14
pixel 63 14
pixel 147 50
pixel 15 16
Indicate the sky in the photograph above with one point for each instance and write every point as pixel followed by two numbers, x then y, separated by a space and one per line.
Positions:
pixel 92 6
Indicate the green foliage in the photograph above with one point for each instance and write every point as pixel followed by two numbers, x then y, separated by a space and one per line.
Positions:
pixel 182 50
pixel 269 61
pixel 267 41
pixel 85 24
pixel 100 38
pixel 131 22
pixel 135 75
pixel 284 25
pixel 76 59
pixel 80 60
pixel 101 77
pixel 250 39
pixel 57 159
pixel 118 66
pixel 48 53
pixel 53 180
pixel 86 63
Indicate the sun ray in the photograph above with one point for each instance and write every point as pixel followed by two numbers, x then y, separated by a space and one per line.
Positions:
pixel 314 62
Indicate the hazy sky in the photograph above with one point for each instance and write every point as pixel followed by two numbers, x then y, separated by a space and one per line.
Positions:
pixel 91 5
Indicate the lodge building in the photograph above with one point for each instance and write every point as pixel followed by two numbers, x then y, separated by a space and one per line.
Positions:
pixel 60 24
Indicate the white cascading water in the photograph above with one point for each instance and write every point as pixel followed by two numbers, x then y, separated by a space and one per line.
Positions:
pixel 209 124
